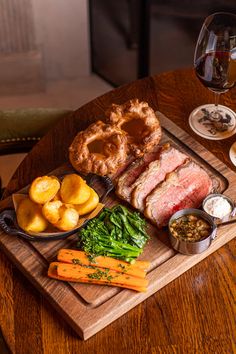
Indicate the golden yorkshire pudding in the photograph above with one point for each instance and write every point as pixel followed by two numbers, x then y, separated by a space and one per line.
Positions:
pixel 99 149
pixel 139 122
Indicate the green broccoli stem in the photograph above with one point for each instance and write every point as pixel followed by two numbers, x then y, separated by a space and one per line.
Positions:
pixel 103 244
pixel 116 232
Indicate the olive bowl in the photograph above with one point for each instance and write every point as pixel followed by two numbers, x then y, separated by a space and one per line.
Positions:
pixel 192 247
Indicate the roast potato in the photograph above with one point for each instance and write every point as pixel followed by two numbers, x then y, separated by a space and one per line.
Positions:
pixel 74 189
pixel 43 189
pixel 89 205
pixel 29 216
pixel 57 196
pixel 68 218
pixel 62 216
pixel 50 211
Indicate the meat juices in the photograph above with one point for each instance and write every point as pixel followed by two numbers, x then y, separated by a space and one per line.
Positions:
pixel 169 159
pixel 184 188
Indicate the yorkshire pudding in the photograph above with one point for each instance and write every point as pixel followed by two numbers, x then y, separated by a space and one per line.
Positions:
pixel 139 122
pixel 99 149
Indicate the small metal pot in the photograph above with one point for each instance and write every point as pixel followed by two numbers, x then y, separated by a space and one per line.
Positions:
pixel 226 217
pixel 187 247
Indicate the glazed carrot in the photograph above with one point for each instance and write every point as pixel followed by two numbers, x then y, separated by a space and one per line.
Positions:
pixel 52 273
pixel 138 269
pixel 77 273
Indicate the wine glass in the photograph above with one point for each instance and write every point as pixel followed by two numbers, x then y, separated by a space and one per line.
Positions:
pixel 215 67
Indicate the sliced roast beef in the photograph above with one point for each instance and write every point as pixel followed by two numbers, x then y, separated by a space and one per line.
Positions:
pixel 186 187
pixel 126 180
pixel 169 159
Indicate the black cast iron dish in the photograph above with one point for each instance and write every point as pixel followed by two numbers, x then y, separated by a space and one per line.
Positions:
pixel 9 224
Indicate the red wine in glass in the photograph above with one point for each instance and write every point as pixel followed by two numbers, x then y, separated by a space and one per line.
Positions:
pixel 214 70
pixel 215 67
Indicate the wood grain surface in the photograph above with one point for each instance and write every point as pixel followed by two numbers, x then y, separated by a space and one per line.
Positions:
pixel 94 307
pixel 193 314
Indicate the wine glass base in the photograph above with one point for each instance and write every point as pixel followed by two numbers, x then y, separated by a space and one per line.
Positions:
pixel 202 125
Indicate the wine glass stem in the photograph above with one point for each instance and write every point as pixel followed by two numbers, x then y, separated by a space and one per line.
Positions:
pixel 215 114
pixel 217 98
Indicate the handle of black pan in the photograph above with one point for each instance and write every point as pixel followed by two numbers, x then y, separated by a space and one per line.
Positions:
pixel 105 180
pixel 9 215
pixel 108 185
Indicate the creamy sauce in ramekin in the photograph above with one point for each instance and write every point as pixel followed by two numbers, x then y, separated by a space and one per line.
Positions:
pixel 217 207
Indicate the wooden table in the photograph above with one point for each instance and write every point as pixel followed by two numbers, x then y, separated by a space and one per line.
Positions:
pixel 193 314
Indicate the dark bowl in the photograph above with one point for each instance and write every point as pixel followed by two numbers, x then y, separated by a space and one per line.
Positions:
pixel 8 222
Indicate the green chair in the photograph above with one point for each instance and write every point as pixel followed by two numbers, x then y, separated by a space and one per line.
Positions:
pixel 21 128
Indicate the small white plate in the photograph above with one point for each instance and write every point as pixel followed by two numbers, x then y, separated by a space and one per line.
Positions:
pixel 232 154
pixel 203 126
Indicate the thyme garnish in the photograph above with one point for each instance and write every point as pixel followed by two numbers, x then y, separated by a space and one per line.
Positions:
pixel 99 274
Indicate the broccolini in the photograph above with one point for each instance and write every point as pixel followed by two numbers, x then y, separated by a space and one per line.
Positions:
pixel 116 232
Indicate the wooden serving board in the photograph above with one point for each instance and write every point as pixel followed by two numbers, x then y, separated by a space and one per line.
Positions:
pixel 89 308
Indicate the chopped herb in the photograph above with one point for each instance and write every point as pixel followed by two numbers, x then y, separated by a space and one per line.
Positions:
pixel 122 266
pixel 100 274
pixel 76 261
pixel 91 258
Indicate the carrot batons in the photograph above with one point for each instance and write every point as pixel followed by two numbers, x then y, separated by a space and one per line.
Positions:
pixel 104 276
pixel 77 266
pixel 138 269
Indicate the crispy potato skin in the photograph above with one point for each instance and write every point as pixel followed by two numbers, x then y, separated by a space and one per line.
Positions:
pixel 89 205
pixel 57 196
pixel 74 190
pixel 30 217
pixel 43 189
pixel 62 216
pixel 68 219
pixel 51 202
pixel 50 211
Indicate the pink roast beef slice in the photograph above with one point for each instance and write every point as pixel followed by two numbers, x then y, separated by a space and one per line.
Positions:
pixel 170 158
pixel 186 187
pixel 126 180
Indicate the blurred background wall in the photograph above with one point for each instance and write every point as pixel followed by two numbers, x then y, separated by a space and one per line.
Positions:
pixel 42 40
pixel 135 38
pixel 62 34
